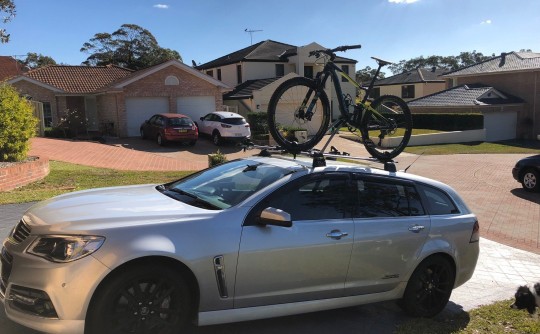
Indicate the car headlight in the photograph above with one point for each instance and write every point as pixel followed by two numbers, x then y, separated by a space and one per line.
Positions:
pixel 65 248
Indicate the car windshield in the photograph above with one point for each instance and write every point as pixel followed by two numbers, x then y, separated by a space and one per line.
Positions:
pixel 184 121
pixel 225 185
pixel 234 121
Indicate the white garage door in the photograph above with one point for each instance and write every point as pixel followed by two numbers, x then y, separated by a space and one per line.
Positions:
pixel 139 109
pixel 195 106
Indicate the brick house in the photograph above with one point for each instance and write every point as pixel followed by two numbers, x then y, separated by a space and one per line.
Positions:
pixel 118 99
pixel 9 67
pixel 256 71
pixel 515 73
pixel 412 84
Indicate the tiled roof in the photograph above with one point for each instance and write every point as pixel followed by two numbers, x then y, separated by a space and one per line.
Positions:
pixel 268 50
pixel 78 79
pixel 414 76
pixel 10 67
pixel 466 95
pixel 506 62
pixel 245 89
pixel 263 51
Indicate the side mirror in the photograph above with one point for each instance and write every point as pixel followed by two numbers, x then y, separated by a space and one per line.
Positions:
pixel 275 217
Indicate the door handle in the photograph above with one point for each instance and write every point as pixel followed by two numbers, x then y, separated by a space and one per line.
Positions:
pixel 336 234
pixel 416 228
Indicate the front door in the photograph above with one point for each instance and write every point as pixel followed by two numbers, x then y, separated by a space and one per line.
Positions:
pixel 307 261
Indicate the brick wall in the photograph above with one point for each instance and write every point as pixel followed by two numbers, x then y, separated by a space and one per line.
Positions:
pixel 38 93
pixel 20 174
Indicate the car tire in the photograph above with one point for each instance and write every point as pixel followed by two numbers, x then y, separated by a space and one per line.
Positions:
pixel 216 138
pixel 530 180
pixel 429 287
pixel 143 135
pixel 148 298
pixel 160 140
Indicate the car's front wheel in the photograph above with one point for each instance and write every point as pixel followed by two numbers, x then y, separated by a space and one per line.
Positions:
pixel 140 299
pixel 429 287
pixel 530 179
pixel 216 138
pixel 160 140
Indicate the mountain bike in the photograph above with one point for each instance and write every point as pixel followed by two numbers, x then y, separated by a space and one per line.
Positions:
pixel 385 123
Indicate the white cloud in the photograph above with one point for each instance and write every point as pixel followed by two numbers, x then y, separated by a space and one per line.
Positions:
pixel 161 6
pixel 403 1
pixel 486 22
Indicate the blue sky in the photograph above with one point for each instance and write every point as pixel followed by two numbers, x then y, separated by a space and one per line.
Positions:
pixel 203 30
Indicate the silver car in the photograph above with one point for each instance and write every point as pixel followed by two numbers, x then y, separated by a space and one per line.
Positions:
pixel 249 239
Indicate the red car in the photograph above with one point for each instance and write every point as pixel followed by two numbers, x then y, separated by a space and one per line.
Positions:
pixel 170 127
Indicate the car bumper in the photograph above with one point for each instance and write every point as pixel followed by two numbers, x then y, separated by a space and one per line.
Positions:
pixel 66 288
pixel 181 137
pixel 515 173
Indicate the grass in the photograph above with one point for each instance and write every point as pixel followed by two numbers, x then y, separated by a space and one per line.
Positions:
pixel 509 146
pixel 65 177
pixel 496 318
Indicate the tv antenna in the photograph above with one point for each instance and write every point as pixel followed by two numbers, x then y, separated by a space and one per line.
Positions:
pixel 250 31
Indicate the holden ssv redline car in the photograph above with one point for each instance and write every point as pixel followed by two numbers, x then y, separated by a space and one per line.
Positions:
pixel 252 238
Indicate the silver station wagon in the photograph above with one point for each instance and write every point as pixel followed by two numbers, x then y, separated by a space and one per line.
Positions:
pixel 252 238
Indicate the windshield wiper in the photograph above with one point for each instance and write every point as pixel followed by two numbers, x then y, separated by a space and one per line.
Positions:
pixel 196 198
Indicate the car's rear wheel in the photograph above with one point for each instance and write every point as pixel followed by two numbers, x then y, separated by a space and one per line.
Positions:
pixel 530 180
pixel 140 299
pixel 429 287
pixel 216 138
pixel 160 140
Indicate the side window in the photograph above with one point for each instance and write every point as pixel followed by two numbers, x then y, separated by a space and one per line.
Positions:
pixel 321 198
pixel 439 202
pixel 208 117
pixel 153 120
pixel 380 199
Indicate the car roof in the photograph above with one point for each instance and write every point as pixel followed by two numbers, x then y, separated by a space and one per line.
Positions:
pixel 171 115
pixel 227 114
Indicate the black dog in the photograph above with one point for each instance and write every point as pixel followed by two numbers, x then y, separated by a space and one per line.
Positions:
pixel 527 299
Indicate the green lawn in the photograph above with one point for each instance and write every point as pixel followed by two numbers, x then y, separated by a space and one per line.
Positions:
pixel 496 318
pixel 65 177
pixel 510 146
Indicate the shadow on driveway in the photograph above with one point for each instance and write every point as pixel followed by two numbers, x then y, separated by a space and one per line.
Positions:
pixel 523 194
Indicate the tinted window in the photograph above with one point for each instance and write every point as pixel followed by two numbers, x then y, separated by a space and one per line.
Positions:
pixel 180 121
pixel 322 198
pixel 379 199
pixel 439 202
pixel 234 121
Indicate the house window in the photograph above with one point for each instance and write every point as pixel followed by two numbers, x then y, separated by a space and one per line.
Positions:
pixel 308 71
pixel 210 73
pixel 280 70
pixel 219 74
pixel 47 114
pixel 375 93
pixel 407 92
pixel 171 80
pixel 239 74
pixel 345 69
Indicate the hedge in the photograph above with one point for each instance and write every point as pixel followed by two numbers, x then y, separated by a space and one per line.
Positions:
pixel 448 122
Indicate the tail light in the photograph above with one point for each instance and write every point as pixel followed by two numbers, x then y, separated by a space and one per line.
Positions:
pixel 247 125
pixel 226 126
pixel 195 128
pixel 475 236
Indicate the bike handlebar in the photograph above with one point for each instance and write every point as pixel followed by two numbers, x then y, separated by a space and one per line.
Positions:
pixel 331 52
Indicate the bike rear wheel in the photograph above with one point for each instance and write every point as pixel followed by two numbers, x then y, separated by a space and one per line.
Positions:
pixel 298 105
pixel 386 133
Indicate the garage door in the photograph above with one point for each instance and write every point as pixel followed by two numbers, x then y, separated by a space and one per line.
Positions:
pixel 195 106
pixel 139 109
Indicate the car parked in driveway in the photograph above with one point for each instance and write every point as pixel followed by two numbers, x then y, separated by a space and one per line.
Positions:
pixel 253 238
pixel 164 128
pixel 224 126
pixel 527 172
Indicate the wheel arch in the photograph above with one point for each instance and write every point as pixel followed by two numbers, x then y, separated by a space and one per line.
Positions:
pixel 451 260
pixel 175 264
pixel 525 169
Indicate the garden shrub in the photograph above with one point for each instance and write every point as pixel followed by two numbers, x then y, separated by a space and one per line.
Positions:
pixel 17 124
pixel 216 158
pixel 258 122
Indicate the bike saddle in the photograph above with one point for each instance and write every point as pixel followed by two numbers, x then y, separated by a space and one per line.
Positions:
pixel 382 62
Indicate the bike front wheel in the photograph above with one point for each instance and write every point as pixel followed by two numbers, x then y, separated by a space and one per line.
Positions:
pixel 298 105
pixel 386 127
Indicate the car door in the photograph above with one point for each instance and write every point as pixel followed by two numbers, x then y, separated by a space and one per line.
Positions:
pixel 391 227
pixel 306 261
pixel 205 123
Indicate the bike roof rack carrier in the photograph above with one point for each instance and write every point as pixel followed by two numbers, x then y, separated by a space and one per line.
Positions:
pixel 319 158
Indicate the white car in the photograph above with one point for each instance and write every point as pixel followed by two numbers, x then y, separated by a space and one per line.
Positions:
pixel 224 125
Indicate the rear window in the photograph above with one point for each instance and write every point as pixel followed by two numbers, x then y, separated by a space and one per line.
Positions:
pixel 234 121
pixel 180 121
